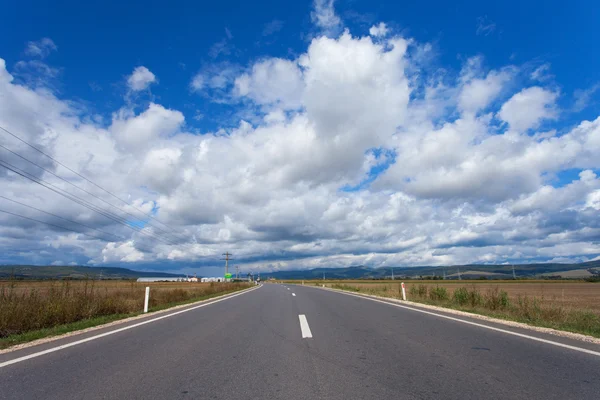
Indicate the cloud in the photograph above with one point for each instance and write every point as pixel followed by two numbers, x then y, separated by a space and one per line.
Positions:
pixel 272 27
pixel 378 30
pixel 36 73
pixel 325 18
pixel 583 97
pixel 216 80
pixel 273 81
pixel 485 27
pixel 356 150
pixel 135 132
pixel 140 79
pixel 41 48
pixel 541 73
pixel 478 93
pixel 220 48
pixel 125 252
pixel 528 108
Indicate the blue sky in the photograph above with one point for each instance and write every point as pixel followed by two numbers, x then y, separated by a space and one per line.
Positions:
pixel 98 43
pixel 265 130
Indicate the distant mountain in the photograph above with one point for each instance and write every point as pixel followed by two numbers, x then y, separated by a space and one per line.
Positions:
pixel 74 272
pixel 471 271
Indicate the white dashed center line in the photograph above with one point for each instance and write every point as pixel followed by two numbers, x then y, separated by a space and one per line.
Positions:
pixel 294 294
pixel 306 333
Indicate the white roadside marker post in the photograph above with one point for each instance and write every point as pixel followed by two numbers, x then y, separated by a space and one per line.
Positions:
pixel 403 292
pixel 146 299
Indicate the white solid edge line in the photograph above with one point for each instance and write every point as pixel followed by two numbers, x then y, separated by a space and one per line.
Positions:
pixel 306 333
pixel 294 294
pixel 67 345
pixel 566 346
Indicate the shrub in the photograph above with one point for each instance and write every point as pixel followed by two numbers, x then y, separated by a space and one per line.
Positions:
pixel 422 291
pixel 412 291
pixel 496 299
pixel 438 293
pixel 461 296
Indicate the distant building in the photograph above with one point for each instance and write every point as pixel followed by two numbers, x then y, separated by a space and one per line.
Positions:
pixel 162 279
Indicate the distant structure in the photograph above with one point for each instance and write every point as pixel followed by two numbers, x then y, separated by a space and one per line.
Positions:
pixel 218 279
pixel 162 279
pixel 227 254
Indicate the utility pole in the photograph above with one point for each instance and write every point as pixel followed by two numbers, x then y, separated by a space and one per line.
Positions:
pixel 444 269
pixel 513 268
pixel 392 273
pixel 227 254
pixel 323 275
pixel 459 277
pixel 237 272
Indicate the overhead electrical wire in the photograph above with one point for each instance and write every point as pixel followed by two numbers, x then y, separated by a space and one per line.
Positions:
pixel 86 179
pixel 64 219
pixel 48 223
pixel 80 188
pixel 81 201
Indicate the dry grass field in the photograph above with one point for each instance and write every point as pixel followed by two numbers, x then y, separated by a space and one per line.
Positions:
pixel 27 306
pixel 571 295
pixel 566 305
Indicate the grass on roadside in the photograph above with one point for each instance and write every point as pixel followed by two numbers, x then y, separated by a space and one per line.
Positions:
pixel 495 303
pixel 31 315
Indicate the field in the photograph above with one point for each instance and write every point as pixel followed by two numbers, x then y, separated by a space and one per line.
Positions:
pixel 566 305
pixel 33 309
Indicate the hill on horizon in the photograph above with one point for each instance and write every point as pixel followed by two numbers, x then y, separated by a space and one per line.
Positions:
pixel 470 271
pixel 75 272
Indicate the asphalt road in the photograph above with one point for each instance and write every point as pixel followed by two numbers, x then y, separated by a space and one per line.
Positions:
pixel 252 347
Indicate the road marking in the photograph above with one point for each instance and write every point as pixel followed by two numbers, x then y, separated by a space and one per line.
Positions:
pixel 65 346
pixel 288 288
pixel 294 294
pixel 537 339
pixel 306 333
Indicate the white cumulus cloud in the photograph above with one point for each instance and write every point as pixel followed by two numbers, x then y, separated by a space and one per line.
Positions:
pixel 352 151
pixel 528 108
pixel 378 30
pixel 140 79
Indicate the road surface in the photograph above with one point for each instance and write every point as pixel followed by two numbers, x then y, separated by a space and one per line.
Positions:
pixel 297 342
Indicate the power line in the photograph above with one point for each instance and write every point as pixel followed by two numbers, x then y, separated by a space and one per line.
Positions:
pixel 83 177
pixel 68 229
pixel 48 223
pixel 64 219
pixel 77 187
pixel 80 201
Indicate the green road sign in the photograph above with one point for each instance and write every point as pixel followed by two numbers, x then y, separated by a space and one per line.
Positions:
pixel 228 276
